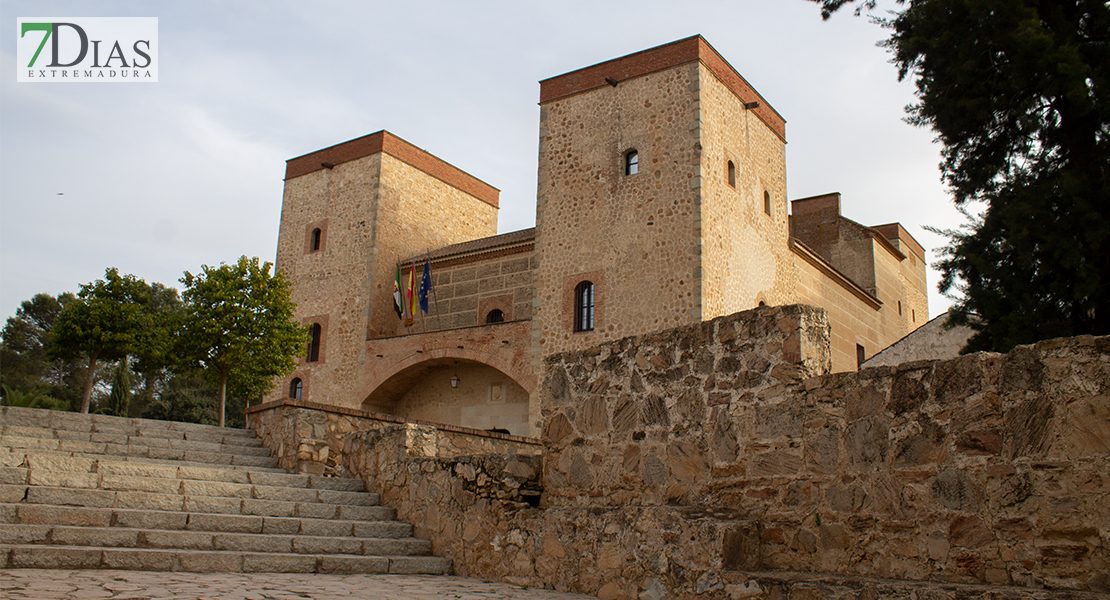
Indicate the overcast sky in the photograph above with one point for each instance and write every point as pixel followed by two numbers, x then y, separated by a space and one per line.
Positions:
pixel 160 178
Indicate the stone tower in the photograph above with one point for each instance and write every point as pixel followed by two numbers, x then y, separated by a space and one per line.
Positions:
pixel 662 182
pixel 349 213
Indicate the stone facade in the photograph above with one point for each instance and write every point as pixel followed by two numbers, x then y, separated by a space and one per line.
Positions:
pixel 716 461
pixel 932 340
pixel 698 227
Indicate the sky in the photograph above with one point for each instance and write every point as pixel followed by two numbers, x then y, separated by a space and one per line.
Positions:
pixel 161 178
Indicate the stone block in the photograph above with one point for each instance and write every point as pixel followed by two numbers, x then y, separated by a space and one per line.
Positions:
pixel 268 508
pixel 181 540
pixel 354 564
pixel 54 515
pixel 14 416
pixel 254 461
pixel 326 545
pixel 144 519
pixel 225 523
pixel 195 561
pixel 94 536
pixel 278 563
pixel 63 479
pixel 279 525
pixel 316 510
pixel 246 542
pixel 323 527
pixel 210 504
pixel 24 534
pixel 280 479
pixel 266 492
pixel 54 557
pixel 71 497
pixel 346 484
pixel 366 513
pixel 430 565
pixel 136 469
pixel 214 474
pixel 382 529
pixel 215 458
pixel 220 489
pixel 139 559
pixel 13 476
pixel 396 547
pixel 353 498
pixel 127 483
pixel 149 501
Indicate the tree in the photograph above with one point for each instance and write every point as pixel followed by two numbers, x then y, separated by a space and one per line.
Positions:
pixel 119 399
pixel 23 342
pixel 1018 93
pixel 109 320
pixel 239 327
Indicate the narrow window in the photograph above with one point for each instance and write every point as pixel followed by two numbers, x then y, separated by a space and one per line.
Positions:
pixel 731 174
pixel 495 316
pixel 584 306
pixel 296 388
pixel 913 316
pixel 766 202
pixel 316 239
pixel 899 308
pixel 631 163
pixel 861 355
pixel 314 344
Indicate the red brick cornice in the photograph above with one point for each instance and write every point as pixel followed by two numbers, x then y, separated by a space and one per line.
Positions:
pixel 387 143
pixel 657 59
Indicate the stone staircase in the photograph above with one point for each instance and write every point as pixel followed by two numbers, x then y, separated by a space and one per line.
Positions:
pixel 93 491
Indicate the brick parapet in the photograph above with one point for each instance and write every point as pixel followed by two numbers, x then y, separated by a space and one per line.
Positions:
pixel 652 60
pixel 385 142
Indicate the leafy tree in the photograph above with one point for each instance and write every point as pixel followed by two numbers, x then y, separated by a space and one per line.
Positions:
pixel 108 320
pixel 156 357
pixel 239 327
pixel 23 341
pixel 1018 93
pixel 119 399
pixel 31 400
pixel 188 398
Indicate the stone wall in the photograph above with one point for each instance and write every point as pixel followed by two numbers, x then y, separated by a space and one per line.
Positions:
pixel 931 340
pixel 313 438
pixel 709 461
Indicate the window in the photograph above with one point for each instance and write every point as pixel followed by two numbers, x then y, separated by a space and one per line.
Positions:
pixel 631 162
pixel 314 344
pixel 296 388
pixel 731 174
pixel 584 306
pixel 495 316
pixel 861 355
pixel 899 308
pixel 316 233
pixel 766 202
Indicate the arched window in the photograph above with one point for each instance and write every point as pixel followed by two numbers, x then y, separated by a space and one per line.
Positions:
pixel 314 344
pixel 495 316
pixel 296 388
pixel 631 162
pixel 766 202
pixel 584 306
pixel 731 174
pixel 316 233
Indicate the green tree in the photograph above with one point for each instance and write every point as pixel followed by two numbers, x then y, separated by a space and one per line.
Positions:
pixel 119 399
pixel 155 359
pixel 24 366
pixel 239 328
pixel 108 320
pixel 1018 93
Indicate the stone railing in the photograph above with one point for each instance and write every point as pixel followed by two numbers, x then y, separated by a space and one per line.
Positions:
pixel 311 438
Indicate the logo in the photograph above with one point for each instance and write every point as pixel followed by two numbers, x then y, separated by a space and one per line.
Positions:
pixel 87 49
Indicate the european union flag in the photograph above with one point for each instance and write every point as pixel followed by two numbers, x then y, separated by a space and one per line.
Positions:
pixel 425 287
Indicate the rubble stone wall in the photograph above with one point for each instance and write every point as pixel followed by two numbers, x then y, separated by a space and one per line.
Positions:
pixel 710 461
pixel 312 438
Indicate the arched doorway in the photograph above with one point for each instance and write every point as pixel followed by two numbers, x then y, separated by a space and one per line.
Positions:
pixel 455 392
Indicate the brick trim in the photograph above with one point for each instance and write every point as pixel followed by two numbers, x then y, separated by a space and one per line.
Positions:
pixel 645 62
pixel 504 303
pixel 322 225
pixel 385 142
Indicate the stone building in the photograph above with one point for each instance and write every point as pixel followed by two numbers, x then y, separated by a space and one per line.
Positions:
pixel 661 202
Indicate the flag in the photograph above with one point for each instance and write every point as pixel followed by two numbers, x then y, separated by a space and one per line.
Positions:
pixel 425 287
pixel 397 294
pixel 411 296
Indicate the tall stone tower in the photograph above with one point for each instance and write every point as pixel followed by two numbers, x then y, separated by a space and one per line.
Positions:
pixel 349 213
pixel 662 192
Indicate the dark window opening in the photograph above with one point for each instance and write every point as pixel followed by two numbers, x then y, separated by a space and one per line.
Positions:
pixel 316 233
pixel 861 355
pixel 899 308
pixel 584 306
pixel 314 344
pixel 731 173
pixel 631 163
pixel 766 202
pixel 913 315
pixel 296 388
pixel 495 316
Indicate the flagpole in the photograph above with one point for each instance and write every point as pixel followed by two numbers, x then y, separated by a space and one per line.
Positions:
pixel 435 296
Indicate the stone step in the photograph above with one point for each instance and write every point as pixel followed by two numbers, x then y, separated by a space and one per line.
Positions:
pixel 127 537
pixel 153 437
pixel 202 561
pixel 221 457
pixel 41 514
pixel 59 420
pixel 41 470
pixel 124 444
pixel 120 480
pixel 17 458
pixel 201 503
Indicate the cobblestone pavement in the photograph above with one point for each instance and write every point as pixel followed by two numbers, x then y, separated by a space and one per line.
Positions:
pixel 42 584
